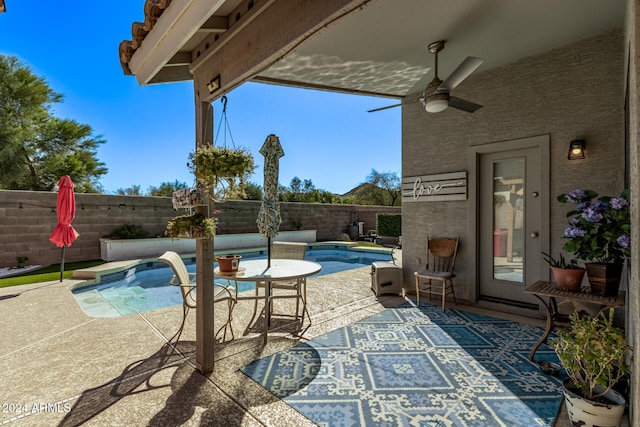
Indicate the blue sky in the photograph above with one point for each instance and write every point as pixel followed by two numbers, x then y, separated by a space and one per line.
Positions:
pixel 327 137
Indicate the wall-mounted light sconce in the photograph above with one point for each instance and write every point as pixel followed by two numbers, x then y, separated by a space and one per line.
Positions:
pixel 122 206
pixel 576 149
pixel 214 85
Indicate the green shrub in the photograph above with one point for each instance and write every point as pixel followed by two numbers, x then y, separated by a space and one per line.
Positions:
pixel 129 231
pixel 388 224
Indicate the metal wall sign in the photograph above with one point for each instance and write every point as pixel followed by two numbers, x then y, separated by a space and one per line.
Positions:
pixel 435 188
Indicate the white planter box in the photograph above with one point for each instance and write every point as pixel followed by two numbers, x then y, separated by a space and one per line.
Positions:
pixel 119 250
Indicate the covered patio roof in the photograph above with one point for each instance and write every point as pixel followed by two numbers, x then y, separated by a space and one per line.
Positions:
pixel 374 47
pixel 371 47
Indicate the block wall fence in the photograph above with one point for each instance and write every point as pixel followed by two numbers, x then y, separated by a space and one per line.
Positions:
pixel 27 219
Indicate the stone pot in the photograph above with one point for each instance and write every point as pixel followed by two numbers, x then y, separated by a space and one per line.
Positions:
pixel 604 278
pixel 586 413
pixel 569 279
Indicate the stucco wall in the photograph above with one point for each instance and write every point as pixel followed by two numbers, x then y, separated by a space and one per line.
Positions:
pixel 567 93
pixel 27 219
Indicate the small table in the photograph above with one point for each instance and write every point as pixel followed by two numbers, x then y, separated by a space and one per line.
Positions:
pixel 256 270
pixel 543 288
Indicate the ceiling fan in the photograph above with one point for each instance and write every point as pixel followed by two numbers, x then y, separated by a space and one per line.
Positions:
pixel 436 97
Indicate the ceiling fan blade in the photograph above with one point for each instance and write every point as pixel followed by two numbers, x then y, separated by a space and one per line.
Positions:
pixel 463 105
pixel 384 108
pixel 464 70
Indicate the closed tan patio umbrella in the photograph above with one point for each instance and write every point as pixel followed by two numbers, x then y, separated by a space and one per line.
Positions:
pixel 269 216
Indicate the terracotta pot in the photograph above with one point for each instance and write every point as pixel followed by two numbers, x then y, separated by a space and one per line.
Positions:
pixel 229 263
pixel 604 278
pixel 569 279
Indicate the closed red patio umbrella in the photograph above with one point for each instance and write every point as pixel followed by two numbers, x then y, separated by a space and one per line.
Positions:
pixel 64 234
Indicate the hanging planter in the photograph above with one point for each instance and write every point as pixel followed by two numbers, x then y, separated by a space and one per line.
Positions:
pixel 193 226
pixel 223 171
pixel 189 198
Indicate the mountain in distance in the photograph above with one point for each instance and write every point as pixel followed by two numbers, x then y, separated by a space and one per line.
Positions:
pixel 368 194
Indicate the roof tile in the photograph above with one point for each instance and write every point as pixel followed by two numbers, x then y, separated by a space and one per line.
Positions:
pixel 153 9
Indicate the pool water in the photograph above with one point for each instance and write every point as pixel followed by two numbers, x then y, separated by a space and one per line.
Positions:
pixel 146 286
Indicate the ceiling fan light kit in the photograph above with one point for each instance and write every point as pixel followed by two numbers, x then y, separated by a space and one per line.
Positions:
pixel 436 103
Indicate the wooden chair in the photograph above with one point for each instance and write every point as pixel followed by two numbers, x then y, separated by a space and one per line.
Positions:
pixel 186 281
pixel 298 288
pixel 438 276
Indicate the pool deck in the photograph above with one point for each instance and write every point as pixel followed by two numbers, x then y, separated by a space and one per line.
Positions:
pixel 62 367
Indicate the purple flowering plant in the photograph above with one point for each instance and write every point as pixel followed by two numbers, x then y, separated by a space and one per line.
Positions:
pixel 599 227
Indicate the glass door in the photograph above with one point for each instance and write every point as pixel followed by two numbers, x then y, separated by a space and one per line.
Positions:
pixel 509 225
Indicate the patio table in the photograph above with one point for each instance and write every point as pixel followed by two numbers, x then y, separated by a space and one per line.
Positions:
pixel 542 288
pixel 256 270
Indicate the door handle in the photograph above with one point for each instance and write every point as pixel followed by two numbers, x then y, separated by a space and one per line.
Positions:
pixel 534 234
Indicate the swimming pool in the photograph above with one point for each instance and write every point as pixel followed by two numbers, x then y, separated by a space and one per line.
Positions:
pixel 146 286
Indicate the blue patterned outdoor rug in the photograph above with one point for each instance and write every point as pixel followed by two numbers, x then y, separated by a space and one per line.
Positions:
pixel 412 366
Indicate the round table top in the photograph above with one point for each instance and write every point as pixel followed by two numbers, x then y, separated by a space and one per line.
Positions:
pixel 281 269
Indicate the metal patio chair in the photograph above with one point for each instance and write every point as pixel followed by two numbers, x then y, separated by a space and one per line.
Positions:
pixel 288 250
pixel 186 281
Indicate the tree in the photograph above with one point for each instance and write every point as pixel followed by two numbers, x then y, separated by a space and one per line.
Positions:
pixel 390 182
pixel 322 196
pixel 37 148
pixel 297 190
pixel 304 191
pixel 253 191
pixel 166 189
pixel 134 190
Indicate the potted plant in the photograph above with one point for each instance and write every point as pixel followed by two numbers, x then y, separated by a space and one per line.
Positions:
pixel 223 171
pixel 593 352
pixel 599 231
pixel 229 263
pixel 191 226
pixel 567 275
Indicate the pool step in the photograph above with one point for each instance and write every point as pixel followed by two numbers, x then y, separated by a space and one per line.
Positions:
pixel 128 300
pixel 95 305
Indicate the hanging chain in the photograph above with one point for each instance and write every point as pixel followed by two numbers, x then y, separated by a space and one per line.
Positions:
pixel 227 128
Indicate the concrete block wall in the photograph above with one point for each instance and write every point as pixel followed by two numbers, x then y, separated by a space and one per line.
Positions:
pixel 575 91
pixel 27 219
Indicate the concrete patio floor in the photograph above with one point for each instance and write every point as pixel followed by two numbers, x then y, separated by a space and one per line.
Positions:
pixel 62 367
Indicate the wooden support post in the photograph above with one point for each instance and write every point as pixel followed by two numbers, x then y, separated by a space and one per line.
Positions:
pixel 205 311
pixel 204 306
